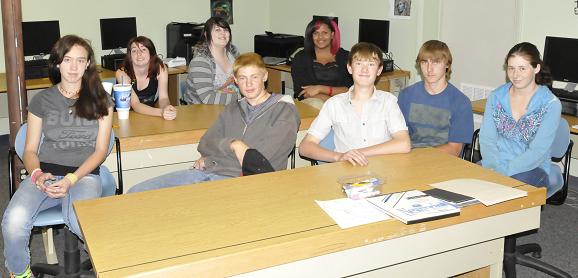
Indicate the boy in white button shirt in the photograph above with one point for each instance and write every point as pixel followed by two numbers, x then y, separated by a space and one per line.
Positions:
pixel 366 121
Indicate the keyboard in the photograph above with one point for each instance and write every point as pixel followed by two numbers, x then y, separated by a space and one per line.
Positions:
pixel 42 62
pixel 565 95
pixel 35 69
pixel 274 60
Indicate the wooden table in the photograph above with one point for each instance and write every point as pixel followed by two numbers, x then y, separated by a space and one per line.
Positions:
pixel 174 84
pixel 270 226
pixel 392 82
pixel 144 132
pixel 152 146
pixel 479 106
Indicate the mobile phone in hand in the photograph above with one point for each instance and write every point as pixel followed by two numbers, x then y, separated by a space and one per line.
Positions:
pixel 49 182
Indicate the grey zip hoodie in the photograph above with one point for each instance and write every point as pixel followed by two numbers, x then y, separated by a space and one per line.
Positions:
pixel 272 132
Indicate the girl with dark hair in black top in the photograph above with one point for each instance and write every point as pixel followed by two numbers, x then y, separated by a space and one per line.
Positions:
pixel 319 71
pixel 149 78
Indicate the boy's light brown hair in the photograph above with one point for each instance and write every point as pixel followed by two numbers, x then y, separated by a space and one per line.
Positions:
pixel 435 50
pixel 364 50
pixel 247 60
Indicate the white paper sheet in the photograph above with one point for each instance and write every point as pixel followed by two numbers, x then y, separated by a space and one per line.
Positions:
pixel 488 193
pixel 350 213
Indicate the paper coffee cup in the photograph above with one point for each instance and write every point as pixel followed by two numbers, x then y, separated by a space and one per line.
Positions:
pixel 107 86
pixel 123 113
pixel 122 95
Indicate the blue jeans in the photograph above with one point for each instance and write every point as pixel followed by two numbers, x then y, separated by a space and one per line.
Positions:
pixel 536 177
pixel 25 205
pixel 182 177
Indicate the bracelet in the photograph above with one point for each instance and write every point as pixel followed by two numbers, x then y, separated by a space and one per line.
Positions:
pixel 330 91
pixel 72 178
pixel 34 174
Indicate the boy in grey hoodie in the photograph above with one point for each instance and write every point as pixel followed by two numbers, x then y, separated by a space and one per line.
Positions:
pixel 255 134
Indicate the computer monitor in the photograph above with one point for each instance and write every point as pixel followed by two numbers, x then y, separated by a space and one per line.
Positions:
pixel 561 56
pixel 374 31
pixel 38 37
pixel 334 18
pixel 116 32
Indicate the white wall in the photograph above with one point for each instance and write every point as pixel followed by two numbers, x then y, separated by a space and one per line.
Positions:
pixel 539 20
pixel 547 18
pixel 82 18
pixel 479 34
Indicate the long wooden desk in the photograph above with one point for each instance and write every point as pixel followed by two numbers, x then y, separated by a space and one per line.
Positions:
pixel 270 226
pixel 152 146
pixel 392 82
pixel 145 132
pixel 479 106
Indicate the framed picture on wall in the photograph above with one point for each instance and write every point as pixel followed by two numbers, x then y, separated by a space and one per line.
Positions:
pixel 400 9
pixel 222 8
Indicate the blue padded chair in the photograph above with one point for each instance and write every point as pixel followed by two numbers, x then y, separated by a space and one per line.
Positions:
pixel 328 143
pixel 53 216
pixel 561 153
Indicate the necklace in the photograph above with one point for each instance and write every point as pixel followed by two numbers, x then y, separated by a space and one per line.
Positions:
pixel 67 93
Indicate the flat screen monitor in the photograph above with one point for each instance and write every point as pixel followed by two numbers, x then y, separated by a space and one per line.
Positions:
pixel 38 37
pixel 561 56
pixel 334 18
pixel 116 32
pixel 374 31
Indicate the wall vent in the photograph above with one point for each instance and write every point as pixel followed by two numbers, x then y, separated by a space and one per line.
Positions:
pixel 475 92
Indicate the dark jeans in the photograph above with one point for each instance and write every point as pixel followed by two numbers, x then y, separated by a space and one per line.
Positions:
pixel 536 177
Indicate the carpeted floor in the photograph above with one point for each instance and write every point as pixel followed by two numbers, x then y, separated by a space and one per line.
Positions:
pixel 558 234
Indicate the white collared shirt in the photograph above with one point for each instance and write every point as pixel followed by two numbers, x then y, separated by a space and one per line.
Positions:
pixel 380 118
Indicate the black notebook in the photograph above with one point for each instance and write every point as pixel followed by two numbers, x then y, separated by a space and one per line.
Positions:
pixel 458 199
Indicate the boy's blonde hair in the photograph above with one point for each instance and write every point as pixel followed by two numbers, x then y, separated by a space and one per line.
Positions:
pixel 365 50
pixel 435 50
pixel 247 60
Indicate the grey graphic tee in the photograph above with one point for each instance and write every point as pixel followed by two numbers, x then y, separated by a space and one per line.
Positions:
pixel 68 139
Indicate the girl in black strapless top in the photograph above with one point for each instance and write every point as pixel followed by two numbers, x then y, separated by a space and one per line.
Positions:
pixel 149 78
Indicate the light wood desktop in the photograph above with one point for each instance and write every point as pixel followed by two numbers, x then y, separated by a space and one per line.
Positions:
pixel 479 106
pixel 388 81
pixel 145 132
pixel 270 226
pixel 152 146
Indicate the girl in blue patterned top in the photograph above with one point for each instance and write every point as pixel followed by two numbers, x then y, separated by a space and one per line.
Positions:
pixel 521 119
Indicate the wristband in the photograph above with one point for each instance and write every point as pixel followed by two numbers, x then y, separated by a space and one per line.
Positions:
pixel 72 178
pixel 34 174
pixel 330 91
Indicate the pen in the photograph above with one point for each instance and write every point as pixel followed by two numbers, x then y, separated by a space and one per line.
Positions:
pixel 401 197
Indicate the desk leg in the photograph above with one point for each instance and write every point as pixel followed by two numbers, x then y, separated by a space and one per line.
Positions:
pixel 174 89
pixel 274 81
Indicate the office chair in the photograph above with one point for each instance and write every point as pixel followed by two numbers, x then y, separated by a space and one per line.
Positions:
pixel 292 157
pixel 53 216
pixel 328 143
pixel 469 148
pixel 517 254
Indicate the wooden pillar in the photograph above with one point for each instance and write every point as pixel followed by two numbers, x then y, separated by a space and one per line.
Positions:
pixel 14 60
